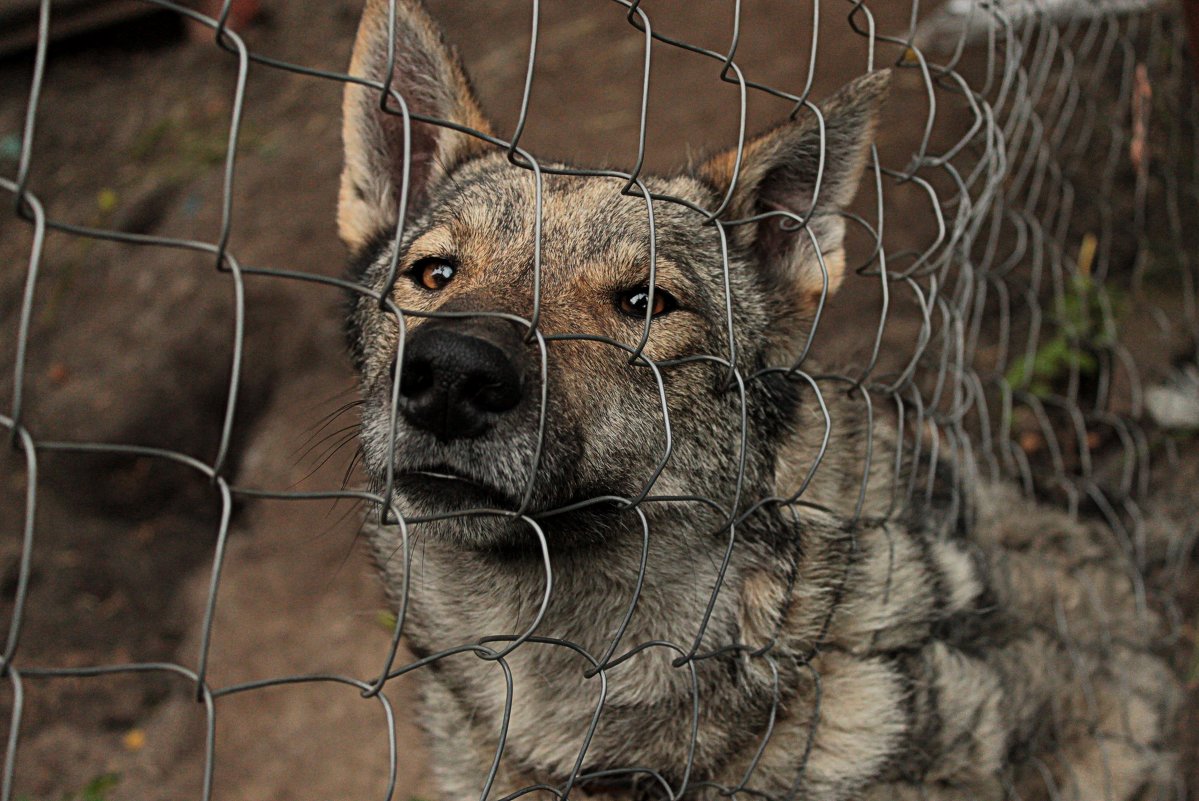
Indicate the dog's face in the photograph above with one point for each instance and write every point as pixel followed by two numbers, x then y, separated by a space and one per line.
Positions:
pixel 622 386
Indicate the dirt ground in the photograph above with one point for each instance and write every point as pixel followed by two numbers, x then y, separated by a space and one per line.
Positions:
pixel 133 345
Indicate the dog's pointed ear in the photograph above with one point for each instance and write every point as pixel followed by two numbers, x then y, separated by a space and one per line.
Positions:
pixel 430 78
pixel 793 168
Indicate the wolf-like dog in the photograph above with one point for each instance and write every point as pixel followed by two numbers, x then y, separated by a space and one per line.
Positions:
pixel 590 425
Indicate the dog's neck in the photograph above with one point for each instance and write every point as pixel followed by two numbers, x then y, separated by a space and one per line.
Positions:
pixel 642 623
pixel 675 561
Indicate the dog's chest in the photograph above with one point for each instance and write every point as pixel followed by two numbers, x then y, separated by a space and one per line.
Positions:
pixel 545 693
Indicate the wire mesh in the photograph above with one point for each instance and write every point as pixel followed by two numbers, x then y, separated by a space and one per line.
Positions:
pixel 1055 171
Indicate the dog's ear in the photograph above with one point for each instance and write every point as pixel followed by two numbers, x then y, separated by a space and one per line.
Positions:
pixel 792 168
pixel 430 78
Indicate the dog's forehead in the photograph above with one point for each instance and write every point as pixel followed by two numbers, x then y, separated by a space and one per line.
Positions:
pixel 582 218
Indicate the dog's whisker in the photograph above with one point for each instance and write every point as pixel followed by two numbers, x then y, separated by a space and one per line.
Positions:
pixel 336 434
pixel 327 455
pixel 327 421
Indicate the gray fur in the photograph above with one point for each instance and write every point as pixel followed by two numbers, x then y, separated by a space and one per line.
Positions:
pixel 921 651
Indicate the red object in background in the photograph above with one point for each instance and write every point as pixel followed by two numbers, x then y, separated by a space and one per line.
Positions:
pixel 242 14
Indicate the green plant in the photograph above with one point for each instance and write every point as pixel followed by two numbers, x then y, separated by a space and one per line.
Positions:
pixel 1081 325
pixel 98 789
pixel 386 620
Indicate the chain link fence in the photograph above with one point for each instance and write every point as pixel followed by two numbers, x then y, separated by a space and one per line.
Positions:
pixel 1021 286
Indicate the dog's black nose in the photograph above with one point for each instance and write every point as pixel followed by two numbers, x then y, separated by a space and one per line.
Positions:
pixel 453 383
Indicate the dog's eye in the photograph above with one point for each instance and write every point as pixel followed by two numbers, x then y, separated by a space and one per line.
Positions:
pixel 433 273
pixel 635 302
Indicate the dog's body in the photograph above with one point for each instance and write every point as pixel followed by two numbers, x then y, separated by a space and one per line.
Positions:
pixel 762 626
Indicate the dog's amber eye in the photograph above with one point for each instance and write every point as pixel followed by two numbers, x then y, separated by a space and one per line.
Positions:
pixel 635 302
pixel 433 273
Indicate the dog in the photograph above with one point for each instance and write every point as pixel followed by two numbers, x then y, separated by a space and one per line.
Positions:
pixel 635 554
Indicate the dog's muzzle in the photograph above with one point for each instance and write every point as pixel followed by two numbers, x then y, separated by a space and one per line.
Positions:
pixel 459 377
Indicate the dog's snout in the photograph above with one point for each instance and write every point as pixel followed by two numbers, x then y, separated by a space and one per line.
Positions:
pixel 453 383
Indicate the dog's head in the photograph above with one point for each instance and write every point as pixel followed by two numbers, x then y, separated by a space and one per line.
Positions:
pixel 623 385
